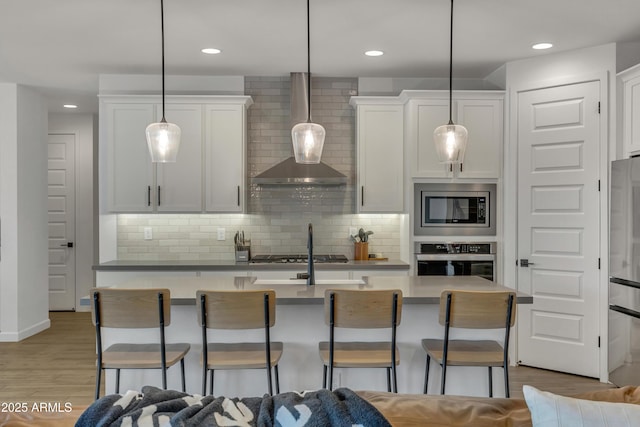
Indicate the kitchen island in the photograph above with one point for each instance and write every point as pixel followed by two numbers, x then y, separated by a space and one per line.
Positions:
pixel 300 325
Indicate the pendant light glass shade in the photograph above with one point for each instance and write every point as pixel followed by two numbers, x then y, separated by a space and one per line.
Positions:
pixel 308 141
pixel 450 139
pixel 451 142
pixel 308 137
pixel 163 140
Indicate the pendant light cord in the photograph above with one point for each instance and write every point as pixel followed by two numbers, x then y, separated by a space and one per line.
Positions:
pixel 162 38
pixel 308 66
pixel 451 67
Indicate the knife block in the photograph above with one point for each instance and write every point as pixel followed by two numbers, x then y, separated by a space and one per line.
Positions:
pixel 243 253
pixel 361 251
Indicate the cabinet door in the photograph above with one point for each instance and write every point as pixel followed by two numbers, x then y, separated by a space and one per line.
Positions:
pixel 380 158
pixel 631 116
pixel 426 116
pixel 129 172
pixel 483 120
pixel 224 157
pixel 179 184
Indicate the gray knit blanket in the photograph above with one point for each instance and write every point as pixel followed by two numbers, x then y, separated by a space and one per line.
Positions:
pixel 157 407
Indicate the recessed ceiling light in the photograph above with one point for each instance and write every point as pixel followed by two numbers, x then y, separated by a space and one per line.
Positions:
pixel 70 106
pixel 541 46
pixel 374 53
pixel 211 51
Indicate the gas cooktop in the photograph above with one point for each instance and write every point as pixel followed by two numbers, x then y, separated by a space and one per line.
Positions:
pixel 297 258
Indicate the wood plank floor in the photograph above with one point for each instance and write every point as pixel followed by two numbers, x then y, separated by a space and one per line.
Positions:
pixel 58 365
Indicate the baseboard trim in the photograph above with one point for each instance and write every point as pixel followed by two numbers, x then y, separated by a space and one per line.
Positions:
pixel 25 333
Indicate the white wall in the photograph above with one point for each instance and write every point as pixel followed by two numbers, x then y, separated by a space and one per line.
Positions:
pixel 553 69
pixel 24 296
pixel 85 127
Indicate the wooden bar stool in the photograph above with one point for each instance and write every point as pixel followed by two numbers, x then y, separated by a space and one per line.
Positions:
pixel 133 309
pixel 238 310
pixel 472 310
pixel 362 309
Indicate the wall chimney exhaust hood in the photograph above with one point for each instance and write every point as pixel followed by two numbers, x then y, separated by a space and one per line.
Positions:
pixel 288 171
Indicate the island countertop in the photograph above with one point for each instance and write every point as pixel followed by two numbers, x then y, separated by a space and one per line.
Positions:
pixel 415 289
pixel 177 265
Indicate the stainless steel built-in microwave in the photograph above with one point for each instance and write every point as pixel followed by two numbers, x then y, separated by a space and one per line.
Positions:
pixel 454 209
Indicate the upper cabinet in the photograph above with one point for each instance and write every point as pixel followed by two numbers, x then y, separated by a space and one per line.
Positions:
pixel 211 156
pixel 380 153
pixel 129 176
pixel 629 85
pixel 225 154
pixel 481 112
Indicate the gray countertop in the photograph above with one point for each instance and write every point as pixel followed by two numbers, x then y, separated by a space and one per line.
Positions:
pixel 175 265
pixel 415 289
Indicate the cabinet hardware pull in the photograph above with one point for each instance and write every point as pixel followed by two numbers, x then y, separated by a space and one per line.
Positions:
pixel 238 195
pixel 148 195
pixel 158 195
pixel 460 167
pixel 362 196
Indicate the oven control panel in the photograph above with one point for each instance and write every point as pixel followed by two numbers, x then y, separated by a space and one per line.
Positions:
pixel 455 248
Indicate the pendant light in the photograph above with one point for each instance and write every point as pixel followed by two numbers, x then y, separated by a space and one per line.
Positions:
pixel 308 137
pixel 450 139
pixel 163 139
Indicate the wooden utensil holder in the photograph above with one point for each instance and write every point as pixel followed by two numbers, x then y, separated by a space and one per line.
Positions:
pixel 361 251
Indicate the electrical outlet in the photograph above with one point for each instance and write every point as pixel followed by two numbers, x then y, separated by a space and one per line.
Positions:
pixel 353 231
pixel 222 234
pixel 148 233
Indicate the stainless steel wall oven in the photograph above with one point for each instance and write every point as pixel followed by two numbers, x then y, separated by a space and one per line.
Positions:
pixel 456 259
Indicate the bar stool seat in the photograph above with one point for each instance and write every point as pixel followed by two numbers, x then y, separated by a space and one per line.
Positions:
pixel 242 355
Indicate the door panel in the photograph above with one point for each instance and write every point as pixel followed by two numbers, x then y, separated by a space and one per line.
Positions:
pixel 61 208
pixel 558 227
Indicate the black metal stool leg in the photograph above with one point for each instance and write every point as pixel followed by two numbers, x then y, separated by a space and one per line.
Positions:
pixel 184 384
pixel 389 379
pixel 98 380
pixel 506 381
pixel 426 374
pixel 324 376
pixel 395 378
pixel 275 368
pixel 117 380
pixel 211 379
pixel 444 376
pixel 490 382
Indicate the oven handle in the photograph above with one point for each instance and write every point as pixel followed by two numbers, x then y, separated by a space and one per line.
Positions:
pixel 625 310
pixel 455 257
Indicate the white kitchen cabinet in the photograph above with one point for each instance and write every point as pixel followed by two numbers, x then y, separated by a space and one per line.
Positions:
pixel 480 112
pixel 380 154
pixel 210 163
pixel 129 173
pixel 225 153
pixel 179 185
pixel 629 85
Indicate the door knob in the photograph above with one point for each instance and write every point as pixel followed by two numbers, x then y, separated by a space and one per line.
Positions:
pixel 525 262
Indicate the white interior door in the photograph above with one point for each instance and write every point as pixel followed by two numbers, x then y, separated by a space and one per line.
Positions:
pixel 61 205
pixel 558 227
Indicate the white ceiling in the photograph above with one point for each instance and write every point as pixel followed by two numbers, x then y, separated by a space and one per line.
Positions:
pixel 62 46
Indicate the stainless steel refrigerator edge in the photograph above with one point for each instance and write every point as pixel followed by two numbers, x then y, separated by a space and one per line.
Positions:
pixel 624 270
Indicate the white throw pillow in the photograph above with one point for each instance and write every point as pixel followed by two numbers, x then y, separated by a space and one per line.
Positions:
pixel 550 410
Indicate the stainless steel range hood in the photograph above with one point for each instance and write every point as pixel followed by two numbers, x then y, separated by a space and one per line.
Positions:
pixel 288 171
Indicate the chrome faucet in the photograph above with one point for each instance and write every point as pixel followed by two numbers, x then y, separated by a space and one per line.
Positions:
pixel 311 276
